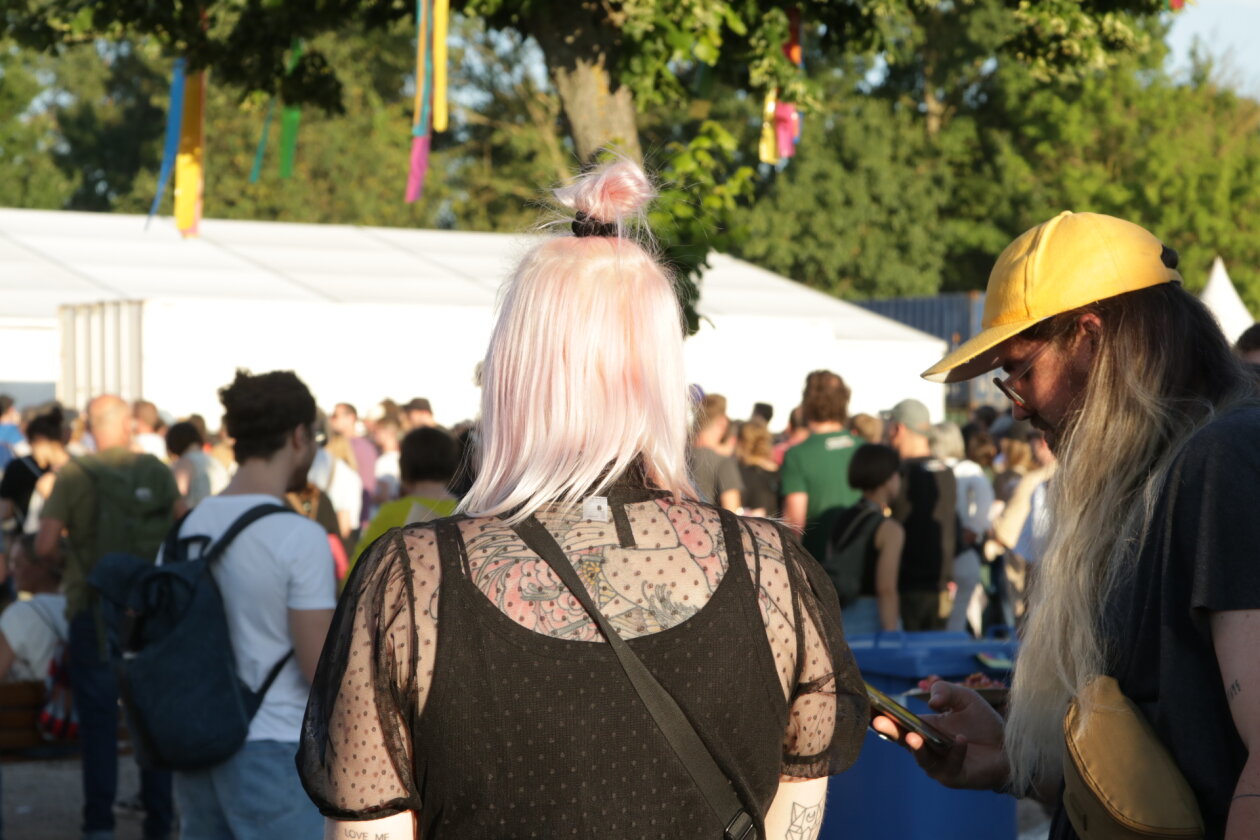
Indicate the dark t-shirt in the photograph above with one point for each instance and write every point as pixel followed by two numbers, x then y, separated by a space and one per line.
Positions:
pixel 926 508
pixel 761 488
pixel 1201 557
pixel 18 484
pixel 840 526
pixel 714 474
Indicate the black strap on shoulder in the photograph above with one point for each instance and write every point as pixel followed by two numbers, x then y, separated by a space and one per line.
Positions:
pixel 253 699
pixel 670 718
pixel 852 529
pixel 242 522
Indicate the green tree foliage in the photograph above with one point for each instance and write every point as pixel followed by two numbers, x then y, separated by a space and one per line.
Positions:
pixel 857 212
pixel 28 175
pixel 877 205
pixel 1182 159
pixel 103 111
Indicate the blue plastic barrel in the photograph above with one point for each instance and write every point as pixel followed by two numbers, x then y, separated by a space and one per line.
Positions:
pixel 885 796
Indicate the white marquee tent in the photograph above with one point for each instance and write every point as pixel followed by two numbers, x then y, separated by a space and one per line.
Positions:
pixel 95 302
pixel 1222 298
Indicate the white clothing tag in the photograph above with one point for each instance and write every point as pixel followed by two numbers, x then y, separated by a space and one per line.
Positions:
pixel 595 509
pixel 835 443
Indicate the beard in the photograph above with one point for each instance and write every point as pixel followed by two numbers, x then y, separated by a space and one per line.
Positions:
pixel 298 478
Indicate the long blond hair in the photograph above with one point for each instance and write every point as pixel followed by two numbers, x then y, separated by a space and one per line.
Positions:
pixel 1145 394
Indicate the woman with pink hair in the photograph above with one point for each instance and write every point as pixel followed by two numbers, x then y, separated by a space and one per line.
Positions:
pixel 466 692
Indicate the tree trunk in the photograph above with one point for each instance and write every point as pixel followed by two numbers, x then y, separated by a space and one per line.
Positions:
pixel 580 40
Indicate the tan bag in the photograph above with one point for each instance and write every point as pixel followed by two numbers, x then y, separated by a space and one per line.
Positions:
pixel 1120 783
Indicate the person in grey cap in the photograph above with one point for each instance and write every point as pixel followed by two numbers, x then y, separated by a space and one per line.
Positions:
pixel 1147 594
pixel 925 508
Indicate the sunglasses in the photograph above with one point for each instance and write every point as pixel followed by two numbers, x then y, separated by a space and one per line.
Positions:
pixel 1004 383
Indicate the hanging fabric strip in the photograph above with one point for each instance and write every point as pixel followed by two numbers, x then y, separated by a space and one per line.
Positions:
pixel 796 53
pixel 426 112
pixel 260 153
pixel 419 164
pixel 422 48
pixel 424 89
pixel 441 25
pixel 189 164
pixel 768 148
pixel 174 120
pixel 289 119
pixel 785 120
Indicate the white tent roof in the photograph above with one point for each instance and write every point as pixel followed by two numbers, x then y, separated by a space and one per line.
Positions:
pixel 1222 298
pixel 761 335
pixel 50 258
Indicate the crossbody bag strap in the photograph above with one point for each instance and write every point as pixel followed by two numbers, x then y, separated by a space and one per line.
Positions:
pixel 853 526
pixel 670 718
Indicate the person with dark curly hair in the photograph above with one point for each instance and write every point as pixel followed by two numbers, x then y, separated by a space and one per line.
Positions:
pixel 28 481
pixel 276 580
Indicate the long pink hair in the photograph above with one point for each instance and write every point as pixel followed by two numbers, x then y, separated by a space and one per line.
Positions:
pixel 584 374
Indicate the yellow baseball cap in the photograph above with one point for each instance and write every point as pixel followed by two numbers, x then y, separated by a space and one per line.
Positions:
pixel 1070 261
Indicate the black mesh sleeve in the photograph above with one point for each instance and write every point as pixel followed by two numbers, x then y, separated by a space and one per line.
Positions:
pixel 355 757
pixel 827 711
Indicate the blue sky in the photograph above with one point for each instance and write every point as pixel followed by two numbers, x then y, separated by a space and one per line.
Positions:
pixel 1230 30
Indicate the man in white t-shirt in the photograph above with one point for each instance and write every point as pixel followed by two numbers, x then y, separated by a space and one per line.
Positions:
pixel 278 591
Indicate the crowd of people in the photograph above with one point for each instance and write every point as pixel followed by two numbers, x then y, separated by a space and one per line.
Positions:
pixel 456 688
pixel 942 521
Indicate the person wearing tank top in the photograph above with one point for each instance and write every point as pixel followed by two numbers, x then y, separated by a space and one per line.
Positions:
pixel 465 692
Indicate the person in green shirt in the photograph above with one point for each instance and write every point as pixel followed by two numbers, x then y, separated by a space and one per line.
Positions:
pixel 427 461
pixel 815 475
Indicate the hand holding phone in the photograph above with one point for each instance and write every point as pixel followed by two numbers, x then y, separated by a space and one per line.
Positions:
pixel 961 742
pixel 882 704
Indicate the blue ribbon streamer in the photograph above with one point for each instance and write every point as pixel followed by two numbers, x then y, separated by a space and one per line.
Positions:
pixel 422 128
pixel 174 126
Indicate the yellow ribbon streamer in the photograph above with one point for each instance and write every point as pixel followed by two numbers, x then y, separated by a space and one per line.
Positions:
pixel 421 47
pixel 441 23
pixel 189 163
pixel 768 148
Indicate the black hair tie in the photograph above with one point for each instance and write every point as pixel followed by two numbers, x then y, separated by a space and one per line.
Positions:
pixel 584 225
pixel 1168 257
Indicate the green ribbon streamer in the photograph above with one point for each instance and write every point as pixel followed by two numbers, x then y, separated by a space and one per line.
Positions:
pixel 288 139
pixel 289 120
pixel 256 172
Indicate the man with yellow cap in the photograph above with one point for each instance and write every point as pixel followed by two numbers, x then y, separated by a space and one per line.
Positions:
pixel 1151 575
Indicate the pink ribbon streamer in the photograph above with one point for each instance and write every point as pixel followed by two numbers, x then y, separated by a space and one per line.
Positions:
pixel 419 164
pixel 785 127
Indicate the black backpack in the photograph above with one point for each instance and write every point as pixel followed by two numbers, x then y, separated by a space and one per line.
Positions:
pixel 186 707
pixel 845 559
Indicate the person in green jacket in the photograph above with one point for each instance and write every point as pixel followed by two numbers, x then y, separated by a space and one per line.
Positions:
pixel 427 462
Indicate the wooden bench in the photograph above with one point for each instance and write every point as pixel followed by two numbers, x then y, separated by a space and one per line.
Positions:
pixel 20 738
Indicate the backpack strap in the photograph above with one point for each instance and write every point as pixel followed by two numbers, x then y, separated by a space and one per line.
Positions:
pixel 253 699
pixel 171 544
pixel 242 522
pixel 852 528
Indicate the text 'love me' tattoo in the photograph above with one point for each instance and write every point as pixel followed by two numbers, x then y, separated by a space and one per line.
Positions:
pixel 361 834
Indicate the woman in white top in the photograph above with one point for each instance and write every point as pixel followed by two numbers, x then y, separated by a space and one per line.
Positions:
pixel 974 503
pixel 197 475
pixel 31 629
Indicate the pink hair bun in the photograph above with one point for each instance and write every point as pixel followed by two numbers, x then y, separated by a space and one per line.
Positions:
pixel 611 193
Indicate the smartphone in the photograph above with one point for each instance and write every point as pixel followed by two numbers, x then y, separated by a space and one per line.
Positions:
pixel 882 704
